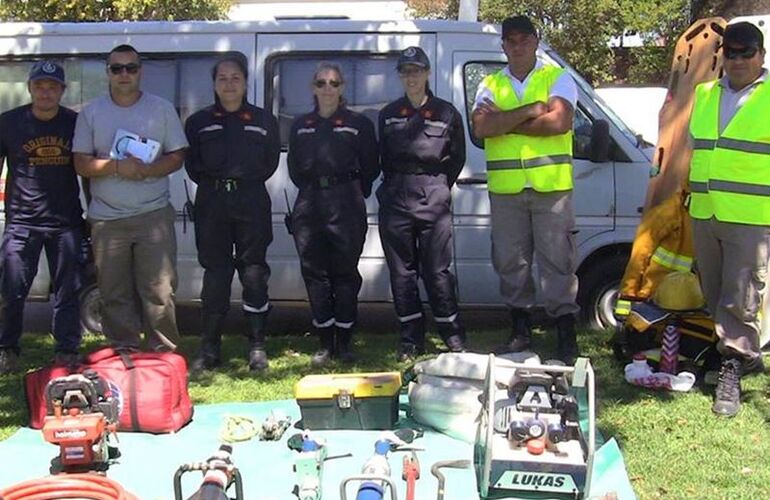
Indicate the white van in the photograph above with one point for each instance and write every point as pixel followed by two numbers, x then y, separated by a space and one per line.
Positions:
pixel 611 166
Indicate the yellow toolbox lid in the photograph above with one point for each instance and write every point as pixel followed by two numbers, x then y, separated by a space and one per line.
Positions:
pixel 361 385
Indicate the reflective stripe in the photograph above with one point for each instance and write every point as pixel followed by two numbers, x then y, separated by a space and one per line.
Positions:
pixel 254 128
pixel 352 130
pixel 253 309
pixel 703 144
pixel 699 187
pixel 211 128
pixel 622 307
pixel 388 121
pixel 306 130
pixel 671 260
pixel 541 161
pixel 434 123
pixel 411 317
pixel 739 187
pixel 344 325
pixel 747 146
pixel 325 324
pixel 447 319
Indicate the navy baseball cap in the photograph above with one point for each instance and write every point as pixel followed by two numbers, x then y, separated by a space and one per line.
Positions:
pixel 47 70
pixel 415 56
pixel 519 24
pixel 743 34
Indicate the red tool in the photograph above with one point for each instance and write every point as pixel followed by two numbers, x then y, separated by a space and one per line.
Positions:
pixel 410 473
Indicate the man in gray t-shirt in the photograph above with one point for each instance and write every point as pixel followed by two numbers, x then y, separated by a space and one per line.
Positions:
pixel 127 143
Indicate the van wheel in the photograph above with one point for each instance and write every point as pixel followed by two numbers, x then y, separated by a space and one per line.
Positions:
pixel 598 291
pixel 91 310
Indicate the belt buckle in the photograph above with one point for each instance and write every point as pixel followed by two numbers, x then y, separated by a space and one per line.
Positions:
pixel 323 182
pixel 230 185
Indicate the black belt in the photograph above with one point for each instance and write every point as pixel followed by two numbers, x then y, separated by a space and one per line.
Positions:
pixel 230 185
pixel 327 181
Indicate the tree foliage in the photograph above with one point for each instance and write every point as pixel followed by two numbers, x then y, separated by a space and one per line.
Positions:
pixel 581 30
pixel 112 10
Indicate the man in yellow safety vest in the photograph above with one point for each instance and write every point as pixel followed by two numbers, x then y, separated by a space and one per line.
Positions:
pixel 730 204
pixel 524 114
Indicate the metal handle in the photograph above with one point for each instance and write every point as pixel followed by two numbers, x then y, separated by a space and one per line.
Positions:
pixel 202 466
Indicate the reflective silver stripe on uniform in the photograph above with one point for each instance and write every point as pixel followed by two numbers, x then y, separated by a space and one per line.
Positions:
pixel 352 130
pixel 325 324
pixel 254 128
pixel 745 146
pixel 699 187
pixel 703 144
pixel 349 324
pixel 445 319
pixel 307 130
pixel 211 128
pixel 390 120
pixel 411 317
pixel 504 164
pixel 540 161
pixel 671 260
pixel 252 309
pixel 739 187
pixel 434 123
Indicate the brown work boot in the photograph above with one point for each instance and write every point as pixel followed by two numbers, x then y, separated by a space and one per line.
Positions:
pixel 521 333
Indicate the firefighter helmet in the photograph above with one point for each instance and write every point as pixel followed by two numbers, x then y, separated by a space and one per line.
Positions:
pixel 679 291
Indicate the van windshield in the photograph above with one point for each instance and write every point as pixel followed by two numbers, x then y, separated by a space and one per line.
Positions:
pixel 588 89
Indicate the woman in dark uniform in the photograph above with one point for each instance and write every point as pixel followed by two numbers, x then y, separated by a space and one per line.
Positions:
pixel 234 149
pixel 333 160
pixel 422 146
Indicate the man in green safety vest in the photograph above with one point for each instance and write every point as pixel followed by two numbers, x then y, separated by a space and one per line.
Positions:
pixel 730 204
pixel 524 115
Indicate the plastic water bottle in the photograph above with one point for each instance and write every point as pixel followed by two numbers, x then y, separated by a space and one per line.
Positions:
pixel 638 372
pixel 377 465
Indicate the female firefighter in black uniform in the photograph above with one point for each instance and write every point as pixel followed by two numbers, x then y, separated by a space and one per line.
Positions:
pixel 333 160
pixel 234 149
pixel 422 147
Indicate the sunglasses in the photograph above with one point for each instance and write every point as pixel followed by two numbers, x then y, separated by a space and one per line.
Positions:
pixel 130 68
pixel 319 84
pixel 744 53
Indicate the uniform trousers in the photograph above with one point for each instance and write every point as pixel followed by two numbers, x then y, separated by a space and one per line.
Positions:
pixel 732 261
pixel 528 228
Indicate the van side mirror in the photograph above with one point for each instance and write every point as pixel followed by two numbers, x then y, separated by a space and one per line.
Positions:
pixel 600 142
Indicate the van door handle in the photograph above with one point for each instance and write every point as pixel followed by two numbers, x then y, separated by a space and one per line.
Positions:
pixel 464 181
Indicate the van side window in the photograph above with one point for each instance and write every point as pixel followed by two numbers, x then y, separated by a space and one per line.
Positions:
pixel 181 79
pixel 371 81
pixel 476 71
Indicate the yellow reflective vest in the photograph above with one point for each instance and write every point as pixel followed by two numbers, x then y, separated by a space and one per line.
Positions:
pixel 730 173
pixel 515 161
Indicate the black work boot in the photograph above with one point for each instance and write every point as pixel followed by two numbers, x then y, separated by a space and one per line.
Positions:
pixel 453 334
pixel 521 332
pixel 412 339
pixel 211 343
pixel 343 348
pixel 566 347
pixel 257 330
pixel 325 353
pixel 727 400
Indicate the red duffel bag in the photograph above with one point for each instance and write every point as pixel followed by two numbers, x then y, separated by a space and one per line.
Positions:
pixel 152 387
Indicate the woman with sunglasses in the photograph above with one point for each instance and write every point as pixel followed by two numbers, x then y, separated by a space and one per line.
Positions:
pixel 422 146
pixel 333 160
pixel 234 149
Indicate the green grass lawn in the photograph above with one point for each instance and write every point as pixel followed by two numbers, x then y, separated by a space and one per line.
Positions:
pixel 672 444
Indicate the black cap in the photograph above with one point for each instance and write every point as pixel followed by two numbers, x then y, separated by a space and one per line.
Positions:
pixel 47 70
pixel 413 55
pixel 519 24
pixel 743 34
